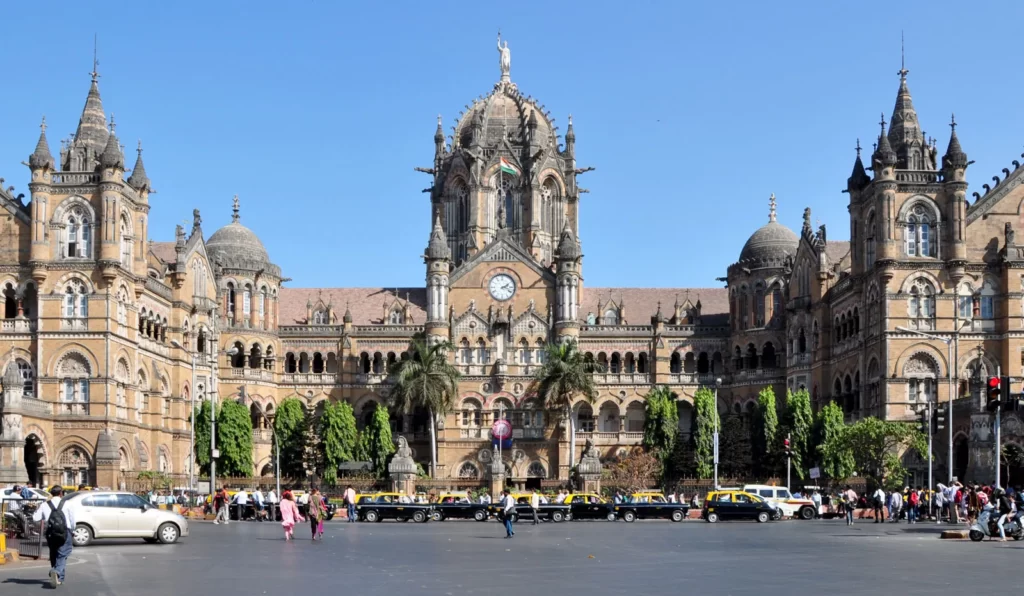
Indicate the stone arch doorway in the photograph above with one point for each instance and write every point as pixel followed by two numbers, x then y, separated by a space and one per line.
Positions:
pixel 34 460
pixel 961 457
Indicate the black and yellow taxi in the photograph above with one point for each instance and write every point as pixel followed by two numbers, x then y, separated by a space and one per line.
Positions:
pixel 458 505
pixel 375 507
pixel 550 511
pixel 650 505
pixel 735 504
pixel 589 506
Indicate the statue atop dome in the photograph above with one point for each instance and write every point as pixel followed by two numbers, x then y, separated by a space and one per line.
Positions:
pixel 505 60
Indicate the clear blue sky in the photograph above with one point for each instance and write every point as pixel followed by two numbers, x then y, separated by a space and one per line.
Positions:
pixel 315 113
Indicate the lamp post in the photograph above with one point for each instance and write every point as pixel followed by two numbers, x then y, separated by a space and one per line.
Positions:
pixel 952 343
pixel 192 425
pixel 277 444
pixel 718 383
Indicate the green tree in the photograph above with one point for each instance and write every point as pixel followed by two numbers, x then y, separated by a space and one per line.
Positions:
pixel 877 446
pixel 661 422
pixel 290 429
pixel 429 381
pixel 799 421
pixel 837 462
pixel 234 439
pixel 565 374
pixel 1011 457
pixel 706 413
pixel 378 443
pixel 765 433
pixel 338 438
pixel 202 426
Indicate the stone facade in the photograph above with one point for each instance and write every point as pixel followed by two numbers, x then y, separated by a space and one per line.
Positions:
pixel 113 335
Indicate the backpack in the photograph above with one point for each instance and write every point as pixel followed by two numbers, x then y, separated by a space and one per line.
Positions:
pixel 56 524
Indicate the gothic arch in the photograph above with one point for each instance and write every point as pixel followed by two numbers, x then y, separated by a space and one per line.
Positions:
pixel 964 364
pixel 41 442
pixel 923 200
pixel 69 203
pixel 73 352
pixel 908 281
pixel 921 362
pixel 58 287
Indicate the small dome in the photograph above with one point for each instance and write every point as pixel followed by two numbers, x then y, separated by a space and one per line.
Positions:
pixel 236 246
pixel 770 245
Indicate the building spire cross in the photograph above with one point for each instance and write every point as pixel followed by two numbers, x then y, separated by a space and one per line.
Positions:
pixel 903 59
pixel 771 208
pixel 858 147
pixel 952 121
pixel 42 125
pixel 234 210
pixel 95 74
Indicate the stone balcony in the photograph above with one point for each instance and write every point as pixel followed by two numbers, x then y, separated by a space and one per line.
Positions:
pixel 692 378
pixel 310 378
pixel 610 438
pixel 263 436
pixel 622 378
pixel 257 374
pixel 371 378
pixel 17 326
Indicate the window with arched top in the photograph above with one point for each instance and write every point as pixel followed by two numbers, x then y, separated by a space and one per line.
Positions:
pixel 76 300
pixel 465 351
pixel 469 471
pixel 472 413
pixel 396 317
pixel 536 470
pixel 77 234
pixel 126 241
pixel 921 305
pixel 918 233
pixel 319 317
pixel 921 372
pixel 869 241
pixel 675 363
pixel 247 300
pixel 482 354
pixel 610 317
pixel 27 377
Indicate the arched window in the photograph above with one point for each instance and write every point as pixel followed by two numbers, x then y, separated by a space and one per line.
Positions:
pixel 232 301
pixel 318 362
pixel 759 306
pixel 378 363
pixel 585 418
pixel 751 356
pixel 541 348
pixel 471 413
pixel 918 232
pixel 744 309
pixel 74 371
pixel 482 355
pixel 78 234
pixel 525 353
pixel 689 363
pixel 76 300
pixel 616 364
pixel 289 362
pixel 238 360
pixel 126 241
pixel 536 470
pixel 502 409
pixel 465 351
pixel 768 356
pixel 304 363
pixel 27 377
pixel 201 341
pixel 801 342
pixel 629 363
pixel 319 317
pixel 364 363
pixel 986 301
pixel 675 363
pixel 247 300
pixel 869 242
pixel 396 317
pixel 641 363
pixel 921 305
pixel 703 364
pixel 268 359
pixel 610 317
pixel 921 372
pixel 255 356
pixel 469 471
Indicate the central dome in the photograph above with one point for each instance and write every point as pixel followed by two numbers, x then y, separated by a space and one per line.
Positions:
pixel 504 111
pixel 237 247
pixel 770 244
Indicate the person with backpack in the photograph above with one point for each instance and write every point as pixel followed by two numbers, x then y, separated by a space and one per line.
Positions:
pixel 913 502
pixel 58 527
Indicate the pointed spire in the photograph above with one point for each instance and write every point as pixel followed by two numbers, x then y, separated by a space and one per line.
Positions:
pixel 92 125
pixel 568 245
pixel 439 133
pixel 883 150
pixel 112 156
pixel 234 210
pixel 771 208
pixel 570 137
pixel 139 179
pixel 437 247
pixel 41 157
pixel 905 134
pixel 955 157
pixel 347 317
pixel 859 177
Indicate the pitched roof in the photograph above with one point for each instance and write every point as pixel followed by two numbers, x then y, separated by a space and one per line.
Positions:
pixel 366 304
pixel 164 251
pixel 836 250
pixel 642 303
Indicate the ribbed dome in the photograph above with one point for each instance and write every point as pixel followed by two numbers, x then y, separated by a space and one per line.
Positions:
pixel 237 247
pixel 770 245
pixel 504 111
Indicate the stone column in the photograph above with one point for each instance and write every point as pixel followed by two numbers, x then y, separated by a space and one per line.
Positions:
pixel 497 475
pixel 589 469
pixel 402 469
pixel 107 461
pixel 12 440
pixel 981 467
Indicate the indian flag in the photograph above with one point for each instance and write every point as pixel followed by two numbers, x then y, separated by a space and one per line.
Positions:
pixel 507 167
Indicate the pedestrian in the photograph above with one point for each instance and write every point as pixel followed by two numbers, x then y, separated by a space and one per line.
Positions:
pixel 350 503
pixel 851 503
pixel 257 503
pixel 58 519
pixel 1005 508
pixel 535 505
pixel 508 507
pixel 816 500
pixel 895 505
pixel 220 507
pixel 878 504
pixel 315 512
pixel 973 504
pixel 289 515
pixel 242 502
pixel 272 505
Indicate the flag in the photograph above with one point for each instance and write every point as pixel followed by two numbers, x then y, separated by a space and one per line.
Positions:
pixel 507 167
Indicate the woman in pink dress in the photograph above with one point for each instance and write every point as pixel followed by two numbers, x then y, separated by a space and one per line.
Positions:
pixel 289 514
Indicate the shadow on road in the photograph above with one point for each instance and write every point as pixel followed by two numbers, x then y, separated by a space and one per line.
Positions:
pixel 42 583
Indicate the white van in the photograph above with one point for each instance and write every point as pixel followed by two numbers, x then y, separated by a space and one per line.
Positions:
pixel 783 500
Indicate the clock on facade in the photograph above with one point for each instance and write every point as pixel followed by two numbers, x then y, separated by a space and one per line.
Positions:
pixel 502 286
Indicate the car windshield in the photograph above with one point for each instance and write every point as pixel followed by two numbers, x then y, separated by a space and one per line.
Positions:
pixel 765 492
pixel 783 494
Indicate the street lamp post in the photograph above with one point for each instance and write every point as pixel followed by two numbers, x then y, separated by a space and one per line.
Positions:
pixel 192 424
pixel 277 444
pixel 213 428
pixel 951 344
pixel 718 383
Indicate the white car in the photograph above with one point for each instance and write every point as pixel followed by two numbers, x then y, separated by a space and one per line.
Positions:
pixel 781 499
pixel 113 514
pixel 8 494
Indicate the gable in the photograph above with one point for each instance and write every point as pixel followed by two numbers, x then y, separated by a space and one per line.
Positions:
pixel 502 250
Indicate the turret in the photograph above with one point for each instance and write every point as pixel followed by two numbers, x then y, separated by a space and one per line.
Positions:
pixel 954 170
pixel 568 284
pixel 438 260
pixel 139 180
pixel 884 158
pixel 41 159
pixel 570 139
pixel 858 179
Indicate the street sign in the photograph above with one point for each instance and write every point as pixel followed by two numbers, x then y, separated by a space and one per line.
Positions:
pixel 716 448
pixel 216 454
pixel 815 473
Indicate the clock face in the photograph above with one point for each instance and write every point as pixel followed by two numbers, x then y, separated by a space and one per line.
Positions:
pixel 502 287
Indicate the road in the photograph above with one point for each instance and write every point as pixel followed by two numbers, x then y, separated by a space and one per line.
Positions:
pixel 592 558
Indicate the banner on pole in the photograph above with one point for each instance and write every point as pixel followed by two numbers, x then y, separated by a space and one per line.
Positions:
pixel 716 448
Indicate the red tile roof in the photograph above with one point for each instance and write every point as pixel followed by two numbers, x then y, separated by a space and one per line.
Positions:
pixel 164 251
pixel 366 304
pixel 642 303
pixel 836 250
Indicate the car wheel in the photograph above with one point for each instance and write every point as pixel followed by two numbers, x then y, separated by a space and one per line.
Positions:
pixel 807 513
pixel 372 516
pixel 712 518
pixel 611 517
pixel 82 535
pixel 629 516
pixel 436 515
pixel 976 536
pixel 568 516
pixel 763 517
pixel 557 516
pixel 419 517
pixel 677 516
pixel 167 533
pixel 480 515
pixel 777 514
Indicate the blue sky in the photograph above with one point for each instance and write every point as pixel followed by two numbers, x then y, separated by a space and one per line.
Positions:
pixel 315 113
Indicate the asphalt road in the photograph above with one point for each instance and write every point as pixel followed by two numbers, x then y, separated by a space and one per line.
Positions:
pixel 592 558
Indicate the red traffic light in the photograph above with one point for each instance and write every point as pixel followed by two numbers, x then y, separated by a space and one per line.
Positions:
pixel 993 383
pixel 786 442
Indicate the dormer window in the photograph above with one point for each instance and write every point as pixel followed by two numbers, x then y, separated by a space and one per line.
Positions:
pixel 610 317
pixel 396 317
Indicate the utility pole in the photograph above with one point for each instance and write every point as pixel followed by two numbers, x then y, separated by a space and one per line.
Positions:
pixel 999 408
pixel 789 460
pixel 718 383
pixel 931 501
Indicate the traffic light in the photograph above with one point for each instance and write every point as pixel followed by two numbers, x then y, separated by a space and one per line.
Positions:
pixel 922 420
pixel 785 444
pixel 992 393
pixel 939 422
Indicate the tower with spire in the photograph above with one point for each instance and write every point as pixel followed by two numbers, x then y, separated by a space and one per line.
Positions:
pixel 438 258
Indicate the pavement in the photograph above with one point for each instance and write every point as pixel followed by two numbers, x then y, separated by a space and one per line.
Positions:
pixel 586 557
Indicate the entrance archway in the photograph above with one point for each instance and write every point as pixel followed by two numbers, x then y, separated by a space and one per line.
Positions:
pixel 34 456
pixel 961 458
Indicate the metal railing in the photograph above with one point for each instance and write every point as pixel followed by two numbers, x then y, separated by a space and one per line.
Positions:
pixel 23 534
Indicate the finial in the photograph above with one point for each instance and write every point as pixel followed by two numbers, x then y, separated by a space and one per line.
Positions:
pixel 771 208
pixel 95 61
pixel 882 123
pixel 952 121
pixel 113 125
pixel 139 148
pixel 234 209
pixel 439 119
pixel 858 147
pixel 570 119
pixel 42 125
pixel 903 59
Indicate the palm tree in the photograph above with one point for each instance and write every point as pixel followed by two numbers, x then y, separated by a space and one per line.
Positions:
pixel 565 374
pixel 426 380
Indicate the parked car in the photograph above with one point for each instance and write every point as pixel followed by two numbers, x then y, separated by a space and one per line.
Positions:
pixel 556 512
pixel 458 505
pixel 113 514
pixel 589 506
pixel 651 505
pixel 379 506
pixel 780 497
pixel 736 504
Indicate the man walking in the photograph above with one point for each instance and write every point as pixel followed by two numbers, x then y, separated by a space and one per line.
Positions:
pixel 350 504
pixel 895 505
pixel 850 498
pixel 507 511
pixel 878 505
pixel 534 505
pixel 58 527
pixel 220 506
pixel 257 503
